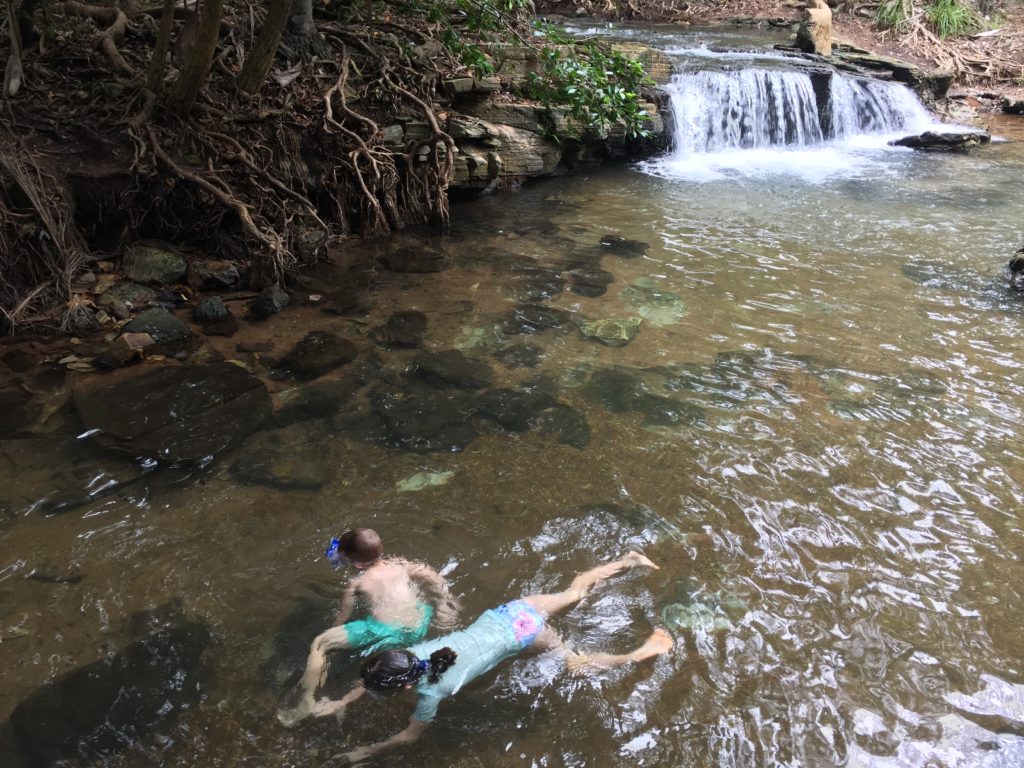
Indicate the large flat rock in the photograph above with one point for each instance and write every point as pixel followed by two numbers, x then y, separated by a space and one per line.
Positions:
pixel 176 413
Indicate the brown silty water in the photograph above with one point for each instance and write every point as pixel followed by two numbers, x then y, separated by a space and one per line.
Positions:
pixel 815 433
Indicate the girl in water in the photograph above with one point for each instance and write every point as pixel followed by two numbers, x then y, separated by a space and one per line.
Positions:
pixel 438 668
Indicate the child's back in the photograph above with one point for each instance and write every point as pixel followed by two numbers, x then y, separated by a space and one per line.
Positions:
pixel 398 613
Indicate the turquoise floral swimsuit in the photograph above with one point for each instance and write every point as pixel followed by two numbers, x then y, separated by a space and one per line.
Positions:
pixel 498 634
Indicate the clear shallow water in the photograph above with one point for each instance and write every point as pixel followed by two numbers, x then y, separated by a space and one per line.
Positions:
pixel 815 432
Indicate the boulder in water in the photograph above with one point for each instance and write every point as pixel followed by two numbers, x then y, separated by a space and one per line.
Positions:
pixel 614 333
pixel 519 356
pixel 422 418
pixel 160 324
pixel 623 247
pixel 105 708
pixel 317 353
pixel 176 413
pixel 530 318
pixel 451 368
pixel 288 459
pixel 402 329
pixel 590 281
pixel 322 398
pixel 417 259
pixel 944 141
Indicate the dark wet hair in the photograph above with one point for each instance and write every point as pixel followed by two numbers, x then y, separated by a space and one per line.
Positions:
pixel 361 545
pixel 390 670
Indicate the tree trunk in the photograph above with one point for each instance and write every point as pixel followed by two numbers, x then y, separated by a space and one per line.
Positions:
pixel 197 65
pixel 158 64
pixel 262 55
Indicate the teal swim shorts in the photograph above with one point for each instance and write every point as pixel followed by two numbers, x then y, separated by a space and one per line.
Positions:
pixel 373 635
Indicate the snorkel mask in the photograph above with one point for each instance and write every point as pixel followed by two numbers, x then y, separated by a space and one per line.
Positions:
pixel 335 556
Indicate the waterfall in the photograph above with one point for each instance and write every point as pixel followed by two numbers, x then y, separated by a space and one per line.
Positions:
pixel 860 107
pixel 716 111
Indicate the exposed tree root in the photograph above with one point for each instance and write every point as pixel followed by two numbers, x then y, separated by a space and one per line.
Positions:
pixel 265 180
pixel 117 25
pixel 35 276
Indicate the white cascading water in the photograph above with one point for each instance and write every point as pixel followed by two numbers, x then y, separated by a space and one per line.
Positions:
pixel 873 107
pixel 748 109
pixel 756 121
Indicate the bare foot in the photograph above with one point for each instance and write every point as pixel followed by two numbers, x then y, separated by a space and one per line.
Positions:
pixel 636 560
pixel 658 643
pixel 577 663
pixel 290 717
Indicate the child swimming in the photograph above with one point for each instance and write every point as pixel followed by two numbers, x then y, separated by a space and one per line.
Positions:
pixel 439 668
pixel 398 614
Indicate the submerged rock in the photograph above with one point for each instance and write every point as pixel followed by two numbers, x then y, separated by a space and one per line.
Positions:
pixel 418 259
pixel 402 329
pixel 515 410
pixel 531 318
pixel 105 708
pixel 451 368
pixel 16 410
pixel 423 418
pixel 535 283
pixel 569 424
pixel 322 398
pixel 934 141
pixel 614 333
pixel 623 391
pixel 176 413
pixel 289 459
pixel 160 324
pixel 623 247
pixel 590 282
pixel 317 353
pixel 422 480
pixel 519 356
pixel 654 304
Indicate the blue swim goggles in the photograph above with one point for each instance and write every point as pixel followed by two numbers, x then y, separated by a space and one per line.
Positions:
pixel 335 556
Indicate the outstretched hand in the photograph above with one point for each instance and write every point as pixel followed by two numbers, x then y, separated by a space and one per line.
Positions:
pixel 326 707
pixel 357 755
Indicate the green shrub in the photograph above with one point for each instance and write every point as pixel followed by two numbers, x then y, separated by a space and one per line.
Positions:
pixel 600 86
pixel 892 14
pixel 951 19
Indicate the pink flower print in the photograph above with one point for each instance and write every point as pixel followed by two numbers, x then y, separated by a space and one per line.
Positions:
pixel 526 627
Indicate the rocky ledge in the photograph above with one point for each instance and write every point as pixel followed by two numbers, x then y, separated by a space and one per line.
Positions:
pixel 951 141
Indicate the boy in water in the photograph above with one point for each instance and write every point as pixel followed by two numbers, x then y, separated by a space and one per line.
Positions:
pixel 398 614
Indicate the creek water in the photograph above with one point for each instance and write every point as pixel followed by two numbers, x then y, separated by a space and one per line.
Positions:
pixel 815 433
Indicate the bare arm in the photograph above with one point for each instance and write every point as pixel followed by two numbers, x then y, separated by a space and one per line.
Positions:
pixel 447 604
pixel 348 604
pixel 411 733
